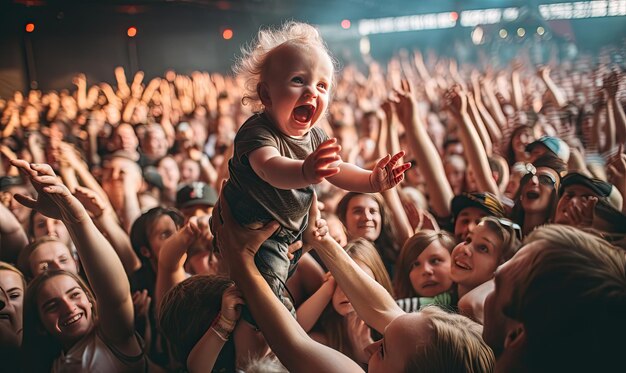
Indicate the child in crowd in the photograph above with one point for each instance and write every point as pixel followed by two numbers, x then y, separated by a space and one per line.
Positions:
pixel 423 271
pixel 279 152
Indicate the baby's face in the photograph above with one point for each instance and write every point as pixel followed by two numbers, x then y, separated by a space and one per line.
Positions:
pixel 296 87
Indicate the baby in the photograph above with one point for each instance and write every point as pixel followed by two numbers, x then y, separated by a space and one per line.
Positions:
pixel 279 152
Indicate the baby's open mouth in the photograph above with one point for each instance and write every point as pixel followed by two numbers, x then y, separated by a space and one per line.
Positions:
pixel 303 113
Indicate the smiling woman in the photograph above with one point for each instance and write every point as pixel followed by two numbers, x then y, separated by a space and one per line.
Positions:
pixel 365 216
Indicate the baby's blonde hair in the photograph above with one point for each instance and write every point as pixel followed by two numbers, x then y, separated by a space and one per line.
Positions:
pixel 252 64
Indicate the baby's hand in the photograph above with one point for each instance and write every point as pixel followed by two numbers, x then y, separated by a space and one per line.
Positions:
pixel 319 164
pixel 386 175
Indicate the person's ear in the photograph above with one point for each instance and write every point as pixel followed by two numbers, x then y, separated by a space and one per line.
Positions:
pixel 262 90
pixel 145 252
pixel 515 337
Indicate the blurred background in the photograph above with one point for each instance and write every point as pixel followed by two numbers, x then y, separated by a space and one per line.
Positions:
pixel 44 43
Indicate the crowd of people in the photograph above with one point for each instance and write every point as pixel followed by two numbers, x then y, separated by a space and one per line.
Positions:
pixel 300 216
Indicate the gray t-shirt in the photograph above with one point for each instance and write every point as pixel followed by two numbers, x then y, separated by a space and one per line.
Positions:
pixel 251 198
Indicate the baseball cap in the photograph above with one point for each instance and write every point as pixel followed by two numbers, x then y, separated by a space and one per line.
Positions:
pixel 554 144
pixel 484 201
pixel 603 190
pixel 196 193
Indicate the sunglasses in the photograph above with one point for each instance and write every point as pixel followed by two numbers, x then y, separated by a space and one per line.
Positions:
pixel 544 179
pixel 510 224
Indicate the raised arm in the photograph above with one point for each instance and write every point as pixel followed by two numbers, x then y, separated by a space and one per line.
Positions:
pixel 425 152
pixel 474 149
pixel 12 236
pixel 102 266
pixel 286 173
pixel 309 312
pixel 106 221
pixel 173 255
pixel 295 349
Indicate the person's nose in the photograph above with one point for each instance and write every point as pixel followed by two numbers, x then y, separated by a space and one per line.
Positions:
pixel 309 91
pixel 54 264
pixel 372 348
pixel 467 249
pixel 534 180
pixel 428 269
pixel 50 229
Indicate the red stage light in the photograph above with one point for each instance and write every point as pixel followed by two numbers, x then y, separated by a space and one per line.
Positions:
pixel 454 16
pixel 345 24
pixel 227 34
pixel 30 27
pixel 132 31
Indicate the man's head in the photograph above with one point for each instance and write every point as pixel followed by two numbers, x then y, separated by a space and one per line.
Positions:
pixel 559 304
pixel 469 208
pixel 575 192
pixel 196 199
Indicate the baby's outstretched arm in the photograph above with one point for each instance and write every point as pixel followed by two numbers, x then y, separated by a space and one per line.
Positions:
pixel 286 173
pixel 386 174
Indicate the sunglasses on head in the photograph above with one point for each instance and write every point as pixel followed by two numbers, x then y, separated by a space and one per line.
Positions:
pixel 544 179
pixel 510 224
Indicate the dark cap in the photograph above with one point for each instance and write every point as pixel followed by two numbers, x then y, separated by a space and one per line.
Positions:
pixel 602 189
pixel 196 193
pixel 484 201
pixel 9 181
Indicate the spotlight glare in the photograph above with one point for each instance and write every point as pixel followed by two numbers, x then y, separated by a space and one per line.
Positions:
pixel 30 27
pixel 541 30
pixel 521 32
pixel 503 34
pixel 345 24
pixel 227 34
pixel 454 16
pixel 131 32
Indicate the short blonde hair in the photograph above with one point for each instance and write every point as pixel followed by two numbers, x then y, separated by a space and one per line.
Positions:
pixel 253 63
pixel 456 345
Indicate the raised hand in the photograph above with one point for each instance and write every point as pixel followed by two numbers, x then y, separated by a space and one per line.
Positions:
pixel 91 200
pixel 456 101
pixel 405 105
pixel 321 163
pixel 386 174
pixel 54 200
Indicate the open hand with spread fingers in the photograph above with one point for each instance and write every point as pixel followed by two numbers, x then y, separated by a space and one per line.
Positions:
pixel 387 173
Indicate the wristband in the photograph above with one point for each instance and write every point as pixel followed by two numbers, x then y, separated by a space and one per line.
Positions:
pixel 219 335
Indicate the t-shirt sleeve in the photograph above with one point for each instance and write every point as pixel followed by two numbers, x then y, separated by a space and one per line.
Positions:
pixel 250 138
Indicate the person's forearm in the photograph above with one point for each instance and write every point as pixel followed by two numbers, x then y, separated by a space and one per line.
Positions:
pixel 431 166
pixel 518 99
pixel 352 178
pixel 620 121
pixel 490 123
pixel 309 312
pixel 171 260
pixel 207 171
pixel 399 218
pixel 120 241
pixel 205 352
pixel 370 300
pixel 477 156
pixel 131 209
pixel 12 236
pixel 295 349
pixel 609 129
pixel 480 127
pixel 555 92
pixel 106 276
pixel 283 173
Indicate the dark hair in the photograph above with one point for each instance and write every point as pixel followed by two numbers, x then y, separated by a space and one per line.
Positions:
pixel 187 311
pixel 142 227
pixel 510 152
